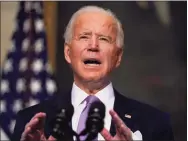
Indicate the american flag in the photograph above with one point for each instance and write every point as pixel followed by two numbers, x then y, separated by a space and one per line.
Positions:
pixel 27 77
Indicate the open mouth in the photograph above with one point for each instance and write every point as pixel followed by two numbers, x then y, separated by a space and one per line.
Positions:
pixel 92 62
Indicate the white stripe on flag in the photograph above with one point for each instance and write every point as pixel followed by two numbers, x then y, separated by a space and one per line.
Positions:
pixel 3 136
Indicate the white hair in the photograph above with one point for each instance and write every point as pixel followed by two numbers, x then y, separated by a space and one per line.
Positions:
pixel 69 29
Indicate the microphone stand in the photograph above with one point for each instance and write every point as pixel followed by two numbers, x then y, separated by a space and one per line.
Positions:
pixel 61 128
pixel 95 121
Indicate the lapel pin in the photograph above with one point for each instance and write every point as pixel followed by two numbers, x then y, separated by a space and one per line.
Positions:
pixel 127 116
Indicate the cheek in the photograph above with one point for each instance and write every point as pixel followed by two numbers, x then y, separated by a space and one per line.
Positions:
pixel 76 55
pixel 75 51
pixel 111 59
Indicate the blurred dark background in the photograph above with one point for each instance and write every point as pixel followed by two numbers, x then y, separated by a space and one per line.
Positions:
pixel 153 68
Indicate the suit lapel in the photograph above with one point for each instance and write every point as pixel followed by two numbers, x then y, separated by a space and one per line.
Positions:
pixel 123 108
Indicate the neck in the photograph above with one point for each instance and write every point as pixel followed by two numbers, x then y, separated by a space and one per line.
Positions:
pixel 91 87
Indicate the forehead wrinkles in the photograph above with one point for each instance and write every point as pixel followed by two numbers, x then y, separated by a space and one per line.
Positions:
pixel 105 27
pixel 95 20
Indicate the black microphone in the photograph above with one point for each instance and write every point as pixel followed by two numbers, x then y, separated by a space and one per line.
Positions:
pixel 95 120
pixel 61 124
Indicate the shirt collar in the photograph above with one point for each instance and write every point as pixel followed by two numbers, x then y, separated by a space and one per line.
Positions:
pixel 78 95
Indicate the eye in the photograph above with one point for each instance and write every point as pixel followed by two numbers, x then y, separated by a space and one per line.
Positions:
pixel 84 37
pixel 104 39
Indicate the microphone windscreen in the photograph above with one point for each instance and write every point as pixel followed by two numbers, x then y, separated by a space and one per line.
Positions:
pixel 61 128
pixel 66 112
pixel 97 109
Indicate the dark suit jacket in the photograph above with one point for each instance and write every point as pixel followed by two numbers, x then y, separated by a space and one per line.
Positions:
pixel 152 123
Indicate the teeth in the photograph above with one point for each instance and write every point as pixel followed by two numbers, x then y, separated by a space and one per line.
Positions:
pixel 92 64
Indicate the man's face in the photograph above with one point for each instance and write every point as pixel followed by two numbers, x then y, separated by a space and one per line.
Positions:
pixel 92 52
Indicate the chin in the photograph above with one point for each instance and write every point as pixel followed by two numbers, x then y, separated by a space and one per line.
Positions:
pixel 90 75
pixel 91 79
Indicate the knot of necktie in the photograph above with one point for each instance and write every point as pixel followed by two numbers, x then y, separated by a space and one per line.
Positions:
pixel 90 99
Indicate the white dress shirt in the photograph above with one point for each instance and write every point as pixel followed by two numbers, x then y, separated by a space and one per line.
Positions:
pixel 106 95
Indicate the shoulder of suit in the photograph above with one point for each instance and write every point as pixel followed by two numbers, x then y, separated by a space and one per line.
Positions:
pixel 142 109
pixel 43 106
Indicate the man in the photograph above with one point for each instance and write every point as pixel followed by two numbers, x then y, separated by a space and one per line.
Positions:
pixel 93 48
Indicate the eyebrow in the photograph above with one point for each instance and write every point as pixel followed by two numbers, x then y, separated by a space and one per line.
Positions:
pixel 85 33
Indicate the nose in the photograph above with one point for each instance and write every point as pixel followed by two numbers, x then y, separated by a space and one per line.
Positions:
pixel 94 44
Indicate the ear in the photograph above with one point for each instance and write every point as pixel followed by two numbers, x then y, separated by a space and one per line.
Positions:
pixel 119 56
pixel 67 53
